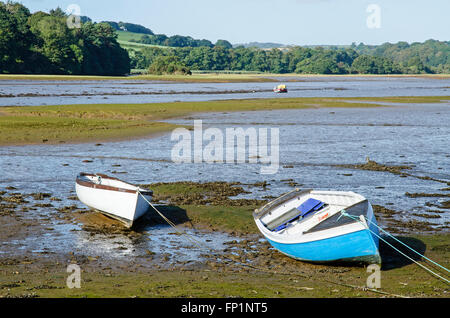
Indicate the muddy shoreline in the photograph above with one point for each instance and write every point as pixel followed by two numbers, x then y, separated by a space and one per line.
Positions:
pixel 196 206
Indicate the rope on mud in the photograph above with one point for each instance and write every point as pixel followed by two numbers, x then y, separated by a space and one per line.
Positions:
pixel 344 213
pixel 367 289
pixel 325 281
pixel 198 244
pixel 190 237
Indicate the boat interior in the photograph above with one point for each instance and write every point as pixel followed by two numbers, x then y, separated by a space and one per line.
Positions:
pixel 300 208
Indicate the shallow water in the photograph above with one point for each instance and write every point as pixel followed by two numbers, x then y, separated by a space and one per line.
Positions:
pixel 30 92
pixel 312 142
pixel 159 240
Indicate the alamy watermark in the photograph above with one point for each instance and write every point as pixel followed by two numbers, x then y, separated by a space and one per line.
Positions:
pixel 373 20
pixel 374 279
pixel 212 145
pixel 74 19
pixel 74 279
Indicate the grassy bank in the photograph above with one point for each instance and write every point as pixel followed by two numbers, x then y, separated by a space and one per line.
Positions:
pixel 22 130
pixel 209 77
pixel 195 78
pixel 44 77
pixel 99 122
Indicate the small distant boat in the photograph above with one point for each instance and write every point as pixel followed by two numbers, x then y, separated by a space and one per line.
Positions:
pixel 112 197
pixel 280 89
pixel 309 226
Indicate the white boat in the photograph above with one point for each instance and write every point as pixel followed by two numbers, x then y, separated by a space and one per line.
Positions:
pixel 280 89
pixel 321 226
pixel 113 197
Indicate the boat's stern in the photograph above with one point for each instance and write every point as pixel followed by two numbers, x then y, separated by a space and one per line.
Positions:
pixel 372 228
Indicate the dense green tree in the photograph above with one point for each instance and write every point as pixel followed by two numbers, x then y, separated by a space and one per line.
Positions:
pixel 157 39
pixel 85 19
pixel 259 61
pixel 223 43
pixel 16 38
pixel 204 42
pixel 102 53
pixel 365 64
pixel 173 41
pixel 137 59
pixel 58 45
pixel 136 28
pixel 179 41
pixel 42 43
pixel 321 61
pixel 58 13
pixel 168 65
pixel 276 62
pixel 429 56
pixel 113 24
pixel 130 27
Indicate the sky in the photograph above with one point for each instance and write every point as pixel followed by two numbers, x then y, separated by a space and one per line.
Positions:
pixel 294 22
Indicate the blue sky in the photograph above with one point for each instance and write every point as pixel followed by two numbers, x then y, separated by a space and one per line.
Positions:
pixel 300 22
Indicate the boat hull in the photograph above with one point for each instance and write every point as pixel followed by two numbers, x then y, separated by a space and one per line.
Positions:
pixel 122 206
pixel 357 246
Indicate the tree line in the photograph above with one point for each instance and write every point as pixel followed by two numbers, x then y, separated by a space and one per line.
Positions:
pixel 179 41
pixel 428 57
pixel 130 27
pixel 431 56
pixel 293 60
pixel 146 36
pixel 42 43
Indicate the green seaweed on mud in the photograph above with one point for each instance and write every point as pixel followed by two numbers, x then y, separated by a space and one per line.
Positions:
pixel 97 122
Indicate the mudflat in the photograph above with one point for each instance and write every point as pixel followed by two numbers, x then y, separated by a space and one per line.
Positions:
pixel 247 267
pixel 102 122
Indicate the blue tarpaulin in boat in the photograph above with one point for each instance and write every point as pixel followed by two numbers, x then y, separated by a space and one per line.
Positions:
pixel 310 205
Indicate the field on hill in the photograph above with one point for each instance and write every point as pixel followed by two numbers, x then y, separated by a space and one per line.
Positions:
pixel 126 38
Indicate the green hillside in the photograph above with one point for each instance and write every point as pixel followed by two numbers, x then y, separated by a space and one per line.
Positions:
pixel 129 40
pixel 127 36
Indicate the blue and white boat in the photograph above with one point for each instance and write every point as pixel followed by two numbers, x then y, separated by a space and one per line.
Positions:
pixel 321 226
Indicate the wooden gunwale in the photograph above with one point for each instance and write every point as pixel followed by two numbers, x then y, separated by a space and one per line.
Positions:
pixel 105 187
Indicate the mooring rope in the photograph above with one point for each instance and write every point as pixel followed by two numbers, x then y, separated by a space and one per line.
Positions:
pixel 344 213
pixel 396 239
pixel 190 237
